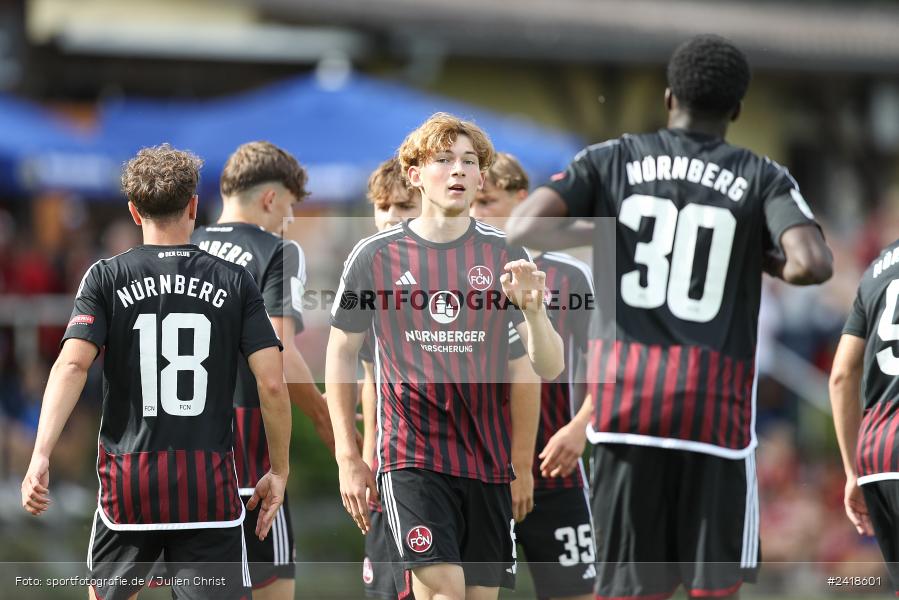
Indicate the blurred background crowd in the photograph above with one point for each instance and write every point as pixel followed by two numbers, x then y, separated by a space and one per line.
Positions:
pixel 338 83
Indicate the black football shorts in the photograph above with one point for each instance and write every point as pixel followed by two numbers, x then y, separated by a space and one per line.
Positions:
pixel 557 539
pixel 199 563
pixel 435 518
pixel 667 517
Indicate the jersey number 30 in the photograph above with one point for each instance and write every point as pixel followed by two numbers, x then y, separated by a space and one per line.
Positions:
pixel 677 234
pixel 163 384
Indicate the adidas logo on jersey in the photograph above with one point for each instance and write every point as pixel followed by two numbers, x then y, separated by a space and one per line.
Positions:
pixel 590 573
pixel 406 279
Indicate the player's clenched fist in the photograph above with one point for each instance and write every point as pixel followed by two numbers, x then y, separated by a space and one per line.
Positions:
pixel 35 491
pixel 523 283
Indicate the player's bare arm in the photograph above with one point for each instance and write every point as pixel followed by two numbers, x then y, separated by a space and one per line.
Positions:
pixel 356 479
pixel 524 403
pixel 560 455
pixel 539 223
pixel 64 387
pixel 273 400
pixel 845 380
pixel 523 283
pixel 300 383
pixel 368 398
pixel 806 258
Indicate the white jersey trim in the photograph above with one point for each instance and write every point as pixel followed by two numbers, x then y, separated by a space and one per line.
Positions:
pixel 877 477
pixel 170 526
pixel 635 439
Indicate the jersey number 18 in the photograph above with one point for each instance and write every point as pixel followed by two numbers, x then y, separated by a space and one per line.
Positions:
pixel 163 384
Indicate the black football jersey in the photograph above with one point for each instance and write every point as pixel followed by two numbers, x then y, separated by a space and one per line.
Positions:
pixel 874 318
pixel 694 216
pixel 279 268
pixel 173 321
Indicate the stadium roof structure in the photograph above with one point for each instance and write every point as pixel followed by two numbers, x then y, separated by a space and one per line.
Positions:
pixel 815 36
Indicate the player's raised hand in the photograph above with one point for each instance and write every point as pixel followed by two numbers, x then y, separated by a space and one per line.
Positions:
pixel 35 486
pixel 523 283
pixel 856 509
pixel 270 493
pixel 562 451
pixel 357 485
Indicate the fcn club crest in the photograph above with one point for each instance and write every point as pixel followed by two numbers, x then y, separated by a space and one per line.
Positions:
pixel 480 278
pixel 419 539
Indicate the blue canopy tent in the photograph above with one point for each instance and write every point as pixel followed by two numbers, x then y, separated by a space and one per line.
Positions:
pixel 339 133
pixel 41 151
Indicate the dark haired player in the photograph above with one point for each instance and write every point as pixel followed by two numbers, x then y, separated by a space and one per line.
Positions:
pixel 866 360
pixel 260 185
pixel 173 320
pixel 697 221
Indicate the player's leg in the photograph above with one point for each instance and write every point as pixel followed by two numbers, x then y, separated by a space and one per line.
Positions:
pixel 208 563
pixel 635 527
pixel 271 561
pixel 718 524
pixel 377 574
pixel 120 556
pixel 439 582
pixel 882 500
pixel 424 519
pixel 488 546
pixel 557 538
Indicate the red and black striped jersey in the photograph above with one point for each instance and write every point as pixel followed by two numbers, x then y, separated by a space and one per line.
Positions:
pixel 173 320
pixel 569 301
pixel 441 331
pixel 279 268
pixel 873 317
pixel 693 218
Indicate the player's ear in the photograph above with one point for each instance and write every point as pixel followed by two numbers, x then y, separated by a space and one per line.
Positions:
pixel 192 205
pixel 414 176
pixel 736 114
pixel 669 100
pixel 134 214
pixel 521 195
pixel 268 198
pixel 482 180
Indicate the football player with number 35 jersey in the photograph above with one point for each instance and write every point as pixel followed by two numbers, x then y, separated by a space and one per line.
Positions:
pixel 173 321
pixel 672 380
